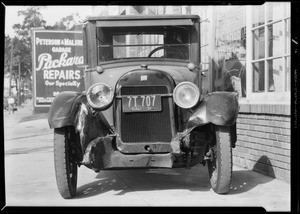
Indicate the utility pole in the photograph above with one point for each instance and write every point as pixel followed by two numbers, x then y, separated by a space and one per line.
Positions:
pixel 19 77
pixel 11 65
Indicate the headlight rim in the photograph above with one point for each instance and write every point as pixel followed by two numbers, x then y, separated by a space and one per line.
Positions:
pixel 95 106
pixel 175 91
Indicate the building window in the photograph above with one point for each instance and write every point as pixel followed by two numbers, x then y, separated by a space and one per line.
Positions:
pixel 229 54
pixel 258 74
pixel 270 38
pixel 259 43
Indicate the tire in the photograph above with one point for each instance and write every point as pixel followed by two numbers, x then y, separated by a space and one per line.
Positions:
pixel 64 162
pixel 220 168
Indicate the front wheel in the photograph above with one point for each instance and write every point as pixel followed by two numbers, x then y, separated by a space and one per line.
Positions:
pixel 64 161
pixel 220 165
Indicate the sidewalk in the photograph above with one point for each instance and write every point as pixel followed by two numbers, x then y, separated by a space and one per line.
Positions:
pixel 23 111
pixel 24 123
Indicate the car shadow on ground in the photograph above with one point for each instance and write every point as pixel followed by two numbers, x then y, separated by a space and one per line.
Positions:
pixel 196 179
pixel 245 180
pixel 124 181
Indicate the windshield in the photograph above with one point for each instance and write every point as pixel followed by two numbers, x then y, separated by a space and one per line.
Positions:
pixel 163 42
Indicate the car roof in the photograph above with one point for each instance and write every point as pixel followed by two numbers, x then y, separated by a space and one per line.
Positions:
pixel 140 17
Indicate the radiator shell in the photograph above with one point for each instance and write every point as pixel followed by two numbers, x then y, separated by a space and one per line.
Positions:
pixel 137 130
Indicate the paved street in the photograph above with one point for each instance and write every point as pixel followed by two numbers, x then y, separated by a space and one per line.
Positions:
pixel 30 178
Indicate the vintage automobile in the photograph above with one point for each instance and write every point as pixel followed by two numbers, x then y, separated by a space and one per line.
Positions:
pixel 143 106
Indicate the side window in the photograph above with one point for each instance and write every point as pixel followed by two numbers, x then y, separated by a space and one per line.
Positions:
pixel 104 45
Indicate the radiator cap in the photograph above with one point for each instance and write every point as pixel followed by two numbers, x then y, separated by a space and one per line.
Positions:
pixel 144 66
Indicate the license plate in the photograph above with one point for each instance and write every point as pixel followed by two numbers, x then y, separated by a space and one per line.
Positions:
pixel 141 103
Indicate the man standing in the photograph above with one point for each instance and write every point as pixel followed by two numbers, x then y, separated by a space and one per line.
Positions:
pixel 11 103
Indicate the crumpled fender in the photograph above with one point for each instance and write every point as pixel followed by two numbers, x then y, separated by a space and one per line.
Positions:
pixel 64 108
pixel 71 109
pixel 220 108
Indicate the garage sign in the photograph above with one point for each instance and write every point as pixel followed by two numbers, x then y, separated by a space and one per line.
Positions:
pixel 56 57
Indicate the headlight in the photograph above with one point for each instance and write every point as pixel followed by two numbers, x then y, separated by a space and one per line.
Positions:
pixel 186 95
pixel 100 95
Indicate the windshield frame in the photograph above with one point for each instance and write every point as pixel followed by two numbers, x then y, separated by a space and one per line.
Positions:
pixel 107 33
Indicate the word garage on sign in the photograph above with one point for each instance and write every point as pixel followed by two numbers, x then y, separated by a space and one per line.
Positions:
pixel 61 49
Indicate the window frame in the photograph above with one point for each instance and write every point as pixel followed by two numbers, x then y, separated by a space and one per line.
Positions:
pixel 110 32
pixel 265 97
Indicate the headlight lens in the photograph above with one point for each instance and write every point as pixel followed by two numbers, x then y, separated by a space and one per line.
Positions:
pixel 186 95
pixel 100 95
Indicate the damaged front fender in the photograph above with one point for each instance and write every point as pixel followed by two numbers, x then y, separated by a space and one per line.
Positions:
pixel 219 108
pixel 71 109
pixel 63 109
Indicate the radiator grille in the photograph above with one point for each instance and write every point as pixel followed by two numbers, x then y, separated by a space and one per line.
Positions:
pixel 147 126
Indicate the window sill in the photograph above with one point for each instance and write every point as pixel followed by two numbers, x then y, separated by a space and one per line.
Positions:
pixel 265 107
pixel 283 98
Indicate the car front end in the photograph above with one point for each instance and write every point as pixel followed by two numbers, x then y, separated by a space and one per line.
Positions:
pixel 143 106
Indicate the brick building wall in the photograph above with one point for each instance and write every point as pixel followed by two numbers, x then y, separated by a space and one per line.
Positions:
pixel 263 143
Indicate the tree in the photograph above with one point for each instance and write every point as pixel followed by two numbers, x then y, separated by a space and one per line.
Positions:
pixel 7 56
pixel 22 41
pixel 32 19
pixel 20 45
pixel 66 23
